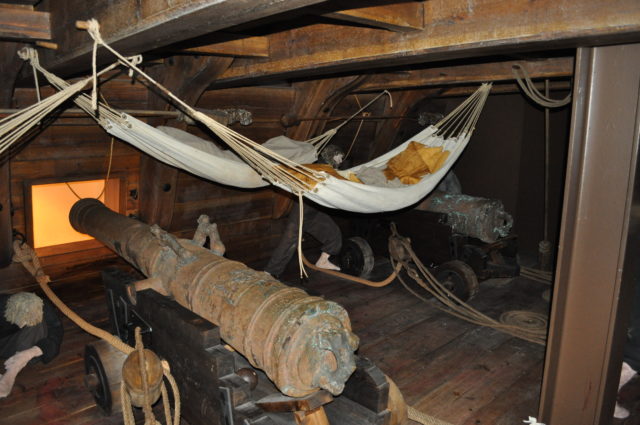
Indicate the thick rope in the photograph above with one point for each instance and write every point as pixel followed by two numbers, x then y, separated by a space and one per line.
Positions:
pixel 149 417
pixel 176 393
pixel 374 284
pixel 127 407
pixel 24 254
pixel 537 275
pixel 422 418
pixel 527 325
pixel 453 305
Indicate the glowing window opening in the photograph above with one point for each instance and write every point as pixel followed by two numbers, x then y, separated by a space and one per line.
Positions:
pixel 51 203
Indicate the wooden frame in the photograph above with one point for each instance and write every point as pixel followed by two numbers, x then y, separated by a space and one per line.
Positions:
pixel 590 300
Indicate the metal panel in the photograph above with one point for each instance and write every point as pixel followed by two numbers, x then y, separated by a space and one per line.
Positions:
pixel 587 319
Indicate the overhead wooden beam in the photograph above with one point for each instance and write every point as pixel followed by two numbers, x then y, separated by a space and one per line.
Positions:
pixel 402 17
pixel 22 2
pixel 133 26
pixel 465 74
pixel 257 47
pixel 453 29
pixel 24 24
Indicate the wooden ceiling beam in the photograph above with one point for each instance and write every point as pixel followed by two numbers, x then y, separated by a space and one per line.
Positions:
pixel 256 47
pixel 454 29
pixel 465 74
pixel 402 17
pixel 24 24
pixel 22 2
pixel 133 27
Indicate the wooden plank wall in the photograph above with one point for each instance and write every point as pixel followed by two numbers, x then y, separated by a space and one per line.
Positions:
pixel 244 217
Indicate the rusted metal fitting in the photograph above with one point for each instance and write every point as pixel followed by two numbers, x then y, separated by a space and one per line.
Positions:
pixel 302 343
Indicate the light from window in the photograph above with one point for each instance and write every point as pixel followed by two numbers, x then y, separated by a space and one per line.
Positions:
pixel 51 204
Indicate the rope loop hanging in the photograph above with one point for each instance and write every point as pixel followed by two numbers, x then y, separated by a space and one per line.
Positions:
pixel 528 87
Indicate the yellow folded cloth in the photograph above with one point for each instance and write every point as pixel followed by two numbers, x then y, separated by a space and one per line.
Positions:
pixel 320 167
pixel 414 162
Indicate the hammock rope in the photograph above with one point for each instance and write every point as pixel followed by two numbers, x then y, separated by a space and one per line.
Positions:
pixel 258 165
pixel 260 158
pixel 15 126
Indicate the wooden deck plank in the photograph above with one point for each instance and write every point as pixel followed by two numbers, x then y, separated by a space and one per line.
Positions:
pixel 447 367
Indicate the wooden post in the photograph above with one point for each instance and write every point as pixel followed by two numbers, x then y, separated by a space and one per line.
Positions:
pixel 187 77
pixel 596 272
pixel 9 67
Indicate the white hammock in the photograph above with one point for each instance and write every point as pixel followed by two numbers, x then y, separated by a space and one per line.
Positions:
pixel 330 191
pixel 262 165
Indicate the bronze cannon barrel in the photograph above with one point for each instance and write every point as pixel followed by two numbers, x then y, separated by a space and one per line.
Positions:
pixel 302 343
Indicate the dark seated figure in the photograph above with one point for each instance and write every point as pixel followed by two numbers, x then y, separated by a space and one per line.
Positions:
pixel 315 222
pixel 30 331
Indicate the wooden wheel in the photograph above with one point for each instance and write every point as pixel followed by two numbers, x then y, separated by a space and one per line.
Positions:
pixel 459 278
pixel 356 257
pixel 102 366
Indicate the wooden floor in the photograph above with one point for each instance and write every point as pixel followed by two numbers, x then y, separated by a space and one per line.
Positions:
pixel 456 371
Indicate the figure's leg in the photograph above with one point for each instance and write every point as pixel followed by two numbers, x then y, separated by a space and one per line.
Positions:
pixel 21 348
pixel 286 247
pixel 323 228
pixel 25 338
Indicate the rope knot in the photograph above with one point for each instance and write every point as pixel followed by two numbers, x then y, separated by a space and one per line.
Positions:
pixel 28 54
pixel 132 61
pixel 21 252
pixel 93 28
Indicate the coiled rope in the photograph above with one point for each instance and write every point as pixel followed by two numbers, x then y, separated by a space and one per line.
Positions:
pixel 24 254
